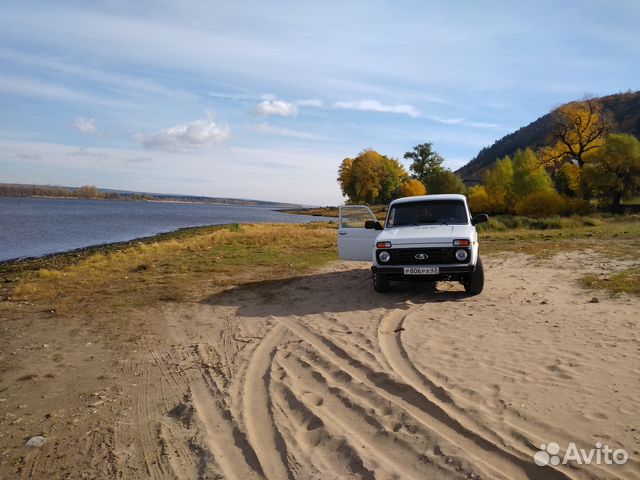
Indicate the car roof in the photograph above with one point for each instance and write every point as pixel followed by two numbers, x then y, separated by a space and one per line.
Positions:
pixel 420 198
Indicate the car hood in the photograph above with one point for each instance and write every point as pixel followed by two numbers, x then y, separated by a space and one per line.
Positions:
pixel 425 234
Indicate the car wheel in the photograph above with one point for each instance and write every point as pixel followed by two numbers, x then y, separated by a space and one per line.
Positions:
pixel 380 282
pixel 474 283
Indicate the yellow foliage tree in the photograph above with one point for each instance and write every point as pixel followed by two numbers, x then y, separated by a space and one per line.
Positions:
pixel 370 177
pixel 479 200
pixel 578 128
pixel 497 185
pixel 412 188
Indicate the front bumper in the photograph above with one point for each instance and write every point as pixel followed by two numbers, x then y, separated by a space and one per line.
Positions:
pixel 447 272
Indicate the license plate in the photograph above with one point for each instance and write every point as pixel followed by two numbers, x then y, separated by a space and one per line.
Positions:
pixel 421 270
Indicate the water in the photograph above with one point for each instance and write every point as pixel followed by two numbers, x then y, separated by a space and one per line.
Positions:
pixel 32 227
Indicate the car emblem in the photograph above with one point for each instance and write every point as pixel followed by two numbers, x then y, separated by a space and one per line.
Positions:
pixel 422 256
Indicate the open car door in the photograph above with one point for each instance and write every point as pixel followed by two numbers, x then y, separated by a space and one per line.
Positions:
pixel 355 242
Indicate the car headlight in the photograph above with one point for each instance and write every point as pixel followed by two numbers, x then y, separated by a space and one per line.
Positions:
pixel 461 255
pixel 384 257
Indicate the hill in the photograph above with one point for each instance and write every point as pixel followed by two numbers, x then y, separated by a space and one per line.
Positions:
pixel 625 108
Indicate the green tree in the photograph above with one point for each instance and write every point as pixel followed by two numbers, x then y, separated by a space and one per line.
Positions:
pixel 614 169
pixel 444 181
pixel 370 177
pixel 497 185
pixel 391 178
pixel 424 161
pixel 528 175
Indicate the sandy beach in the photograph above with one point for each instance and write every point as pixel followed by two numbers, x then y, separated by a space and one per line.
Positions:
pixel 318 377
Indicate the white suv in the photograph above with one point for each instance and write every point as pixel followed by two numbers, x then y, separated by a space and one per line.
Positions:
pixel 429 237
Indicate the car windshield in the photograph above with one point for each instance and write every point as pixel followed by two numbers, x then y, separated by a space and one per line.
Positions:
pixel 430 212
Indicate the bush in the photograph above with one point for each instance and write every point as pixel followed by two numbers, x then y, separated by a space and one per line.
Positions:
pixel 479 201
pixel 541 204
pixel 577 206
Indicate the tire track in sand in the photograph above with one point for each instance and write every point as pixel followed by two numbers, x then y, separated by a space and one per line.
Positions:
pixel 389 340
pixel 256 407
pixel 482 451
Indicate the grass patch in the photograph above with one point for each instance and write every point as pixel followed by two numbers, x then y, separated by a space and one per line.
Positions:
pixel 613 236
pixel 626 281
pixel 184 267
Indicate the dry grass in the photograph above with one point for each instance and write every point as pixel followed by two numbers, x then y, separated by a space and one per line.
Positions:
pixel 617 237
pixel 183 268
pixel 627 281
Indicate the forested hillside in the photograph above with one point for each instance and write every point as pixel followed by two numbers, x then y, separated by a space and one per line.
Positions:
pixel 624 108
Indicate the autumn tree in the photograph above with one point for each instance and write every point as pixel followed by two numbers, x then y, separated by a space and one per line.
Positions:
pixel 614 169
pixel 412 188
pixel 391 178
pixel 567 179
pixel 578 128
pixel 497 183
pixel 370 177
pixel 87 191
pixel 528 175
pixel 479 200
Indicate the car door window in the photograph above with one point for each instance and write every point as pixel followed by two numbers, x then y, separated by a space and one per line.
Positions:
pixel 355 217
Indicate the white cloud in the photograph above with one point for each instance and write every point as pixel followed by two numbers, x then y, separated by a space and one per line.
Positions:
pixel 466 123
pixel 285 132
pixel 310 102
pixel 276 107
pixel 449 121
pixel 85 125
pixel 186 137
pixel 484 125
pixel 376 106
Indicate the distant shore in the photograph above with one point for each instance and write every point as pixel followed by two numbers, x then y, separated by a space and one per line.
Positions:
pixel 380 211
pixel 91 192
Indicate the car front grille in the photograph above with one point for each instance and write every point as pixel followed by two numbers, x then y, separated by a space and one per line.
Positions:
pixel 434 256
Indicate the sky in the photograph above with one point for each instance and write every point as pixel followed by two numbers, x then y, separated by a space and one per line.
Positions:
pixel 263 100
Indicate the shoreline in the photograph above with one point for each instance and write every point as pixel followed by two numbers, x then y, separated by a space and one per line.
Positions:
pixel 80 252
pixel 111 246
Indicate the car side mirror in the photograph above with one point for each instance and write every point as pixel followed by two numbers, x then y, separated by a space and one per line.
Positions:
pixel 480 218
pixel 372 225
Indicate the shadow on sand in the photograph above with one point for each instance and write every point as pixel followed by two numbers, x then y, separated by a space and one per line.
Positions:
pixel 336 291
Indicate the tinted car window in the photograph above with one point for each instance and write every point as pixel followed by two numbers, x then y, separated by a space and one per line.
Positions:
pixel 450 212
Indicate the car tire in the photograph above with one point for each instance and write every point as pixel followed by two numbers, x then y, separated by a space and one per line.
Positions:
pixel 474 283
pixel 380 282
